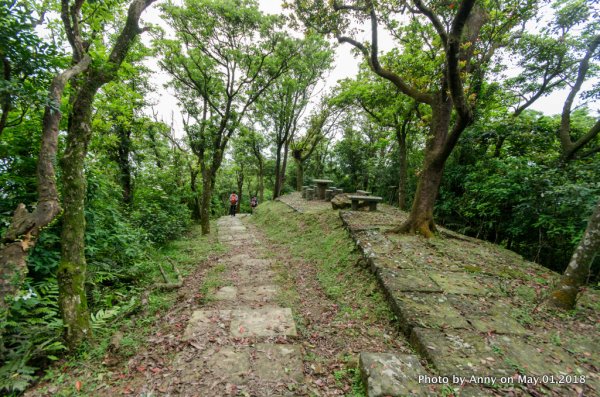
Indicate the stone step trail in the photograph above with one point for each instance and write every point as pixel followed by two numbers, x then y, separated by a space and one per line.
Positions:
pixel 241 341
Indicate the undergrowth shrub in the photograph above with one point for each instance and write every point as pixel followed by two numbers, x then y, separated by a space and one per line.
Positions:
pixel 160 213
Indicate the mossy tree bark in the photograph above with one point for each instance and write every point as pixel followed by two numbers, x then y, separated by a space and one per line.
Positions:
pixel 25 227
pixel 72 266
pixel 576 275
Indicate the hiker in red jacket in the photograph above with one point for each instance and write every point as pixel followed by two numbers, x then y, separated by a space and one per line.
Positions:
pixel 233 199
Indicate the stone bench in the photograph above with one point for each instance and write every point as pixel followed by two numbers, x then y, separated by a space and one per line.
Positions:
pixel 363 193
pixel 304 191
pixel 329 193
pixel 310 194
pixel 371 200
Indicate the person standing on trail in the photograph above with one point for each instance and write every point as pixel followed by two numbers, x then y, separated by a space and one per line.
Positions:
pixel 253 203
pixel 233 199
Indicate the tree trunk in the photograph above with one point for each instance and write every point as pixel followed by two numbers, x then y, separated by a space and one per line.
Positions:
pixel 194 187
pixel 240 185
pixel 276 188
pixel 282 173
pixel 261 181
pixel 576 275
pixel 72 266
pixel 25 227
pixel 403 160
pixel 299 174
pixel 207 188
pixel 123 154
pixel 420 219
pixel 403 177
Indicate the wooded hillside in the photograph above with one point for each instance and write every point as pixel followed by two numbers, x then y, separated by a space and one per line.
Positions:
pixel 448 123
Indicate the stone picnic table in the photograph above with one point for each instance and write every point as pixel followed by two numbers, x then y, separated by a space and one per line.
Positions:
pixel 321 187
pixel 371 200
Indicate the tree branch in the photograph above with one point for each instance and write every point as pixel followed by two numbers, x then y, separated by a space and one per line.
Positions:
pixel 437 24
pixel 569 147
pixel 452 58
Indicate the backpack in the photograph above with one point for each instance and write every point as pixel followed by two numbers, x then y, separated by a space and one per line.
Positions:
pixel 233 199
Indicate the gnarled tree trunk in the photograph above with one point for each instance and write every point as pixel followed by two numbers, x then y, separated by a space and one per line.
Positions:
pixel 25 227
pixel 577 273
pixel 437 151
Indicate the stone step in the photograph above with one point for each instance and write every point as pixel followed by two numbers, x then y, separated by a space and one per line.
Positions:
pixel 223 237
pixel 261 293
pixel 394 375
pixel 245 276
pixel 266 362
pixel 232 228
pixel 243 322
pixel 247 262
pixel 263 322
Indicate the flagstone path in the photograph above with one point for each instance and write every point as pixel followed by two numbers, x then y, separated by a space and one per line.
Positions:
pixel 243 341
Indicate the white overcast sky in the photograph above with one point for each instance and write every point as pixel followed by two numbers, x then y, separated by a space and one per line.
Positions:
pixel 346 65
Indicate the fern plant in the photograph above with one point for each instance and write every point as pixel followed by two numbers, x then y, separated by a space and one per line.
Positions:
pixel 32 333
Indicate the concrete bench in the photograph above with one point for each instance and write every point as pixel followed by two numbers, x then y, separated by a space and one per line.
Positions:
pixel 363 193
pixel 310 194
pixel 371 200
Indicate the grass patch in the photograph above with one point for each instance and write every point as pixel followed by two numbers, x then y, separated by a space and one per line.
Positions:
pixel 212 282
pixel 320 238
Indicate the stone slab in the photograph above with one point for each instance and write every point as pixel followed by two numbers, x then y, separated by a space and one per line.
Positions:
pixel 202 321
pixel 227 293
pixel 230 237
pixel 247 276
pixel 428 311
pixel 464 283
pixel 459 352
pixel 535 357
pixel 279 363
pixel 261 293
pixel 230 364
pixel 262 322
pixel 238 242
pixel 488 315
pixel 235 259
pixel 406 280
pixel 233 229
pixel 394 375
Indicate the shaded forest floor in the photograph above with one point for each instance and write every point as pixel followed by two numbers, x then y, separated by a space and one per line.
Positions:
pixel 464 306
